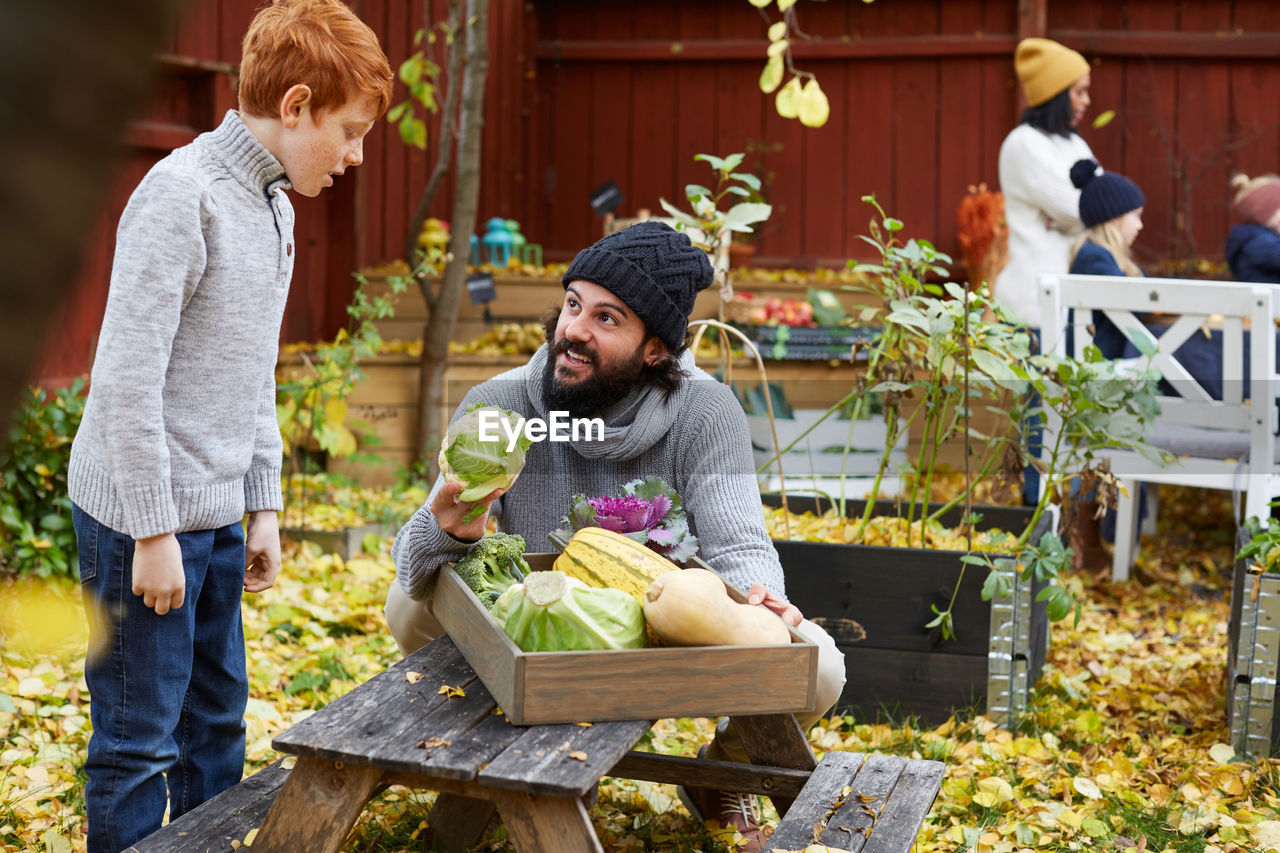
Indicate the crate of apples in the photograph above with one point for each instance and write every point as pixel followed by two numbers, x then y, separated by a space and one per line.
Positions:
pixel 778 312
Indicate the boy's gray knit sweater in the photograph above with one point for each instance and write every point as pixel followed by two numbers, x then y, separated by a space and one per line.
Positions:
pixel 696 440
pixel 179 430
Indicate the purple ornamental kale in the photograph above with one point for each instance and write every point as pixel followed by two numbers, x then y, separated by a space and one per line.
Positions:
pixel 630 514
pixel 647 511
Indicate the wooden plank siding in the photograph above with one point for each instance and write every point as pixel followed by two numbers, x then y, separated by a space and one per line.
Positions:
pixel 922 93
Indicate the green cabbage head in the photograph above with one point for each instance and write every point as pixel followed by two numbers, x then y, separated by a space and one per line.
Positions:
pixel 482 466
pixel 552 612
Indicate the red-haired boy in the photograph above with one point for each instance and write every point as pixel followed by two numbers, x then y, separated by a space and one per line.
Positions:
pixel 179 438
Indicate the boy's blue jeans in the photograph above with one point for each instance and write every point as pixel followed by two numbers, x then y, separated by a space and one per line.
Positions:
pixel 167 693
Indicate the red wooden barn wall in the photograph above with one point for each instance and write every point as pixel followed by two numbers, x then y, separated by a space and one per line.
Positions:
pixel 922 93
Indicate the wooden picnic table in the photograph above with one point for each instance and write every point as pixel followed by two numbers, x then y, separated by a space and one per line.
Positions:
pixel 429 722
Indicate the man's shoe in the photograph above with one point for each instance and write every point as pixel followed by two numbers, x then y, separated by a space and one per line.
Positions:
pixel 728 809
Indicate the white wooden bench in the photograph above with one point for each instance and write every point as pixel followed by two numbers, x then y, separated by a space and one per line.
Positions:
pixel 1221 440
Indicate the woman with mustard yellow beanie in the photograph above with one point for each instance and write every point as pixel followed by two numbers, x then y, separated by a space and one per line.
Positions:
pixel 1041 204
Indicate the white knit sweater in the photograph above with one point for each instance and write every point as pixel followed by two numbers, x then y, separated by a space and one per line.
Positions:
pixel 1042 209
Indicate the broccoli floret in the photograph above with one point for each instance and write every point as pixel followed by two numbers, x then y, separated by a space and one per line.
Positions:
pixel 493 564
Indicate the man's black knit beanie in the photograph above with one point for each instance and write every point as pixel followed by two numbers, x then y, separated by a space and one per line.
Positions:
pixel 654 269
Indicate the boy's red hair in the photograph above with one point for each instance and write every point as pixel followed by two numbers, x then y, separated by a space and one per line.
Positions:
pixel 317 42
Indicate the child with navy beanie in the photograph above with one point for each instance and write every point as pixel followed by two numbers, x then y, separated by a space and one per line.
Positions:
pixel 1111 210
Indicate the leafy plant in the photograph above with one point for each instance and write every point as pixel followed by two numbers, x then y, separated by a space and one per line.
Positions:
pixel 939 349
pixel 420 75
pixel 707 217
pixel 1264 537
pixel 36 536
pixel 805 101
pixel 756 154
pixel 950 352
pixel 1094 404
pixel 311 402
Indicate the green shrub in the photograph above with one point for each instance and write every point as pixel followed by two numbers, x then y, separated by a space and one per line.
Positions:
pixel 36 536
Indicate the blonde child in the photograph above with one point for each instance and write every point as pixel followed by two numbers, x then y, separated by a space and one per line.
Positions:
pixel 1111 210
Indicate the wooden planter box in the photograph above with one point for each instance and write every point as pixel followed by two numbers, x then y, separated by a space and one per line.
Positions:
pixel 902 668
pixel 1253 660
pixel 346 543
pixel 821 452
pixel 632 684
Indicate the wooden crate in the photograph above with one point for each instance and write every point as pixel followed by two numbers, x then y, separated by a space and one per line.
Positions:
pixel 632 684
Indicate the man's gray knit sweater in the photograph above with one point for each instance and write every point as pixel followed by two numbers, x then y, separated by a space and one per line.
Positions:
pixel 695 439
pixel 179 430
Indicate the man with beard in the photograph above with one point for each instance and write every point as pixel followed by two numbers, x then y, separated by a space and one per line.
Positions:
pixel 617 350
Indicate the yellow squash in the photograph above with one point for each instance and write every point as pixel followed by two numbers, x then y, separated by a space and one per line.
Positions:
pixel 602 558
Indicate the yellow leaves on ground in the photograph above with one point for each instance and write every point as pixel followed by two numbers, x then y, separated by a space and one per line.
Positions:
pixel 1086 787
pixel 1128 718
pixel 878 530
pixel 993 792
pixel 319 502
pixel 1266 834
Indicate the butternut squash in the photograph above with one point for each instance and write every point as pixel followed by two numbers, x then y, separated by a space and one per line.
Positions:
pixel 691 607
pixel 602 558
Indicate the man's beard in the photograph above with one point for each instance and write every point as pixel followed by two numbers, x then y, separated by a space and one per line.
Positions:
pixel 605 385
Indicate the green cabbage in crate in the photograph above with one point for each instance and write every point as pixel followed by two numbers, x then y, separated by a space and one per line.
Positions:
pixel 552 612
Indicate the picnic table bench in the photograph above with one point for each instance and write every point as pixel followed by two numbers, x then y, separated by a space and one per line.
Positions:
pixel 429 722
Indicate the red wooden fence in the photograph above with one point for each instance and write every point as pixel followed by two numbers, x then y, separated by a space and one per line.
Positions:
pixel 922 94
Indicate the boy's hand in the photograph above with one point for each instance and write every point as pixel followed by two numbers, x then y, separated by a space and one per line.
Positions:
pixel 450 512
pixel 759 594
pixel 157 573
pixel 262 551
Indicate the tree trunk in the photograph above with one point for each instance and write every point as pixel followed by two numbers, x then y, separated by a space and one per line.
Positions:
pixel 444 155
pixel 72 73
pixel 444 316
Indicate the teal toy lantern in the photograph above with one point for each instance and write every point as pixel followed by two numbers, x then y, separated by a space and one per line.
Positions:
pixel 498 242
